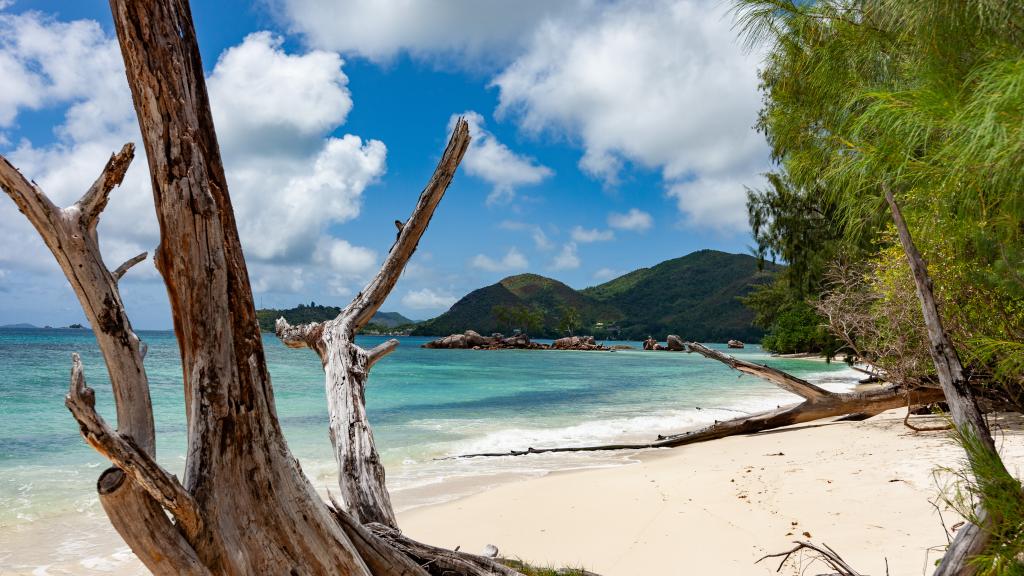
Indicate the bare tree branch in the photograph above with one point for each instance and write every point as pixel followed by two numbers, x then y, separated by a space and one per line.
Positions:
pixel 787 382
pixel 147 527
pixel 346 365
pixel 123 268
pixel 30 200
pixel 95 198
pixel 827 554
pixel 121 450
pixel 963 405
pixel 301 336
pixel 367 302
pixel 379 351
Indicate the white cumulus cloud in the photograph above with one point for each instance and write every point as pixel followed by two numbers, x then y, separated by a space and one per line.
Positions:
pixel 567 258
pixel 465 30
pixel 512 261
pixel 290 179
pixel 495 163
pixel 659 83
pixel 537 234
pixel 635 220
pixel 344 258
pixel 588 235
pixel 427 299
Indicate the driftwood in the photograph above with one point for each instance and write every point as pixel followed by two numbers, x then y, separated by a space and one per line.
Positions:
pixel 818 403
pixel 347 366
pixel 244 505
pixel 824 552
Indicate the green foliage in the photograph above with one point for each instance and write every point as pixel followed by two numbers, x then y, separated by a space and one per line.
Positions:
pixel 925 99
pixel 570 320
pixel 999 493
pixel 527 302
pixel 695 296
pixel 530 570
pixel 791 324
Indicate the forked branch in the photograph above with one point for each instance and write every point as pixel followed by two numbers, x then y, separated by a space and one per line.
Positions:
pixel 95 198
pixel 367 302
pixel 347 366
pixel 122 450
pixel 121 270
pixel 824 552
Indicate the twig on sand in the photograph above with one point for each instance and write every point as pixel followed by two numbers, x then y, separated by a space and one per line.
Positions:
pixel 824 551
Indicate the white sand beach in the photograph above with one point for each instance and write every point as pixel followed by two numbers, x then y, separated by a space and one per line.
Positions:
pixel 863 488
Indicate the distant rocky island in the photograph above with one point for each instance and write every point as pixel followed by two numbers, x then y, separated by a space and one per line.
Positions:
pixel 27 326
pixel 382 323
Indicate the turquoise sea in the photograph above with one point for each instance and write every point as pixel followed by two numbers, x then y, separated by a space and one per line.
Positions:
pixel 423 404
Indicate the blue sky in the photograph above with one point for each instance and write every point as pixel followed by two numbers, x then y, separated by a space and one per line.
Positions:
pixel 608 135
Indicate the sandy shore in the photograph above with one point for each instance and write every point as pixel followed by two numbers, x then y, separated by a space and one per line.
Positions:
pixel 864 488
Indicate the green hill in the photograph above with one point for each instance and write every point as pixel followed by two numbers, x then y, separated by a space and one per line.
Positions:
pixel 476 310
pixel 695 296
pixel 314 312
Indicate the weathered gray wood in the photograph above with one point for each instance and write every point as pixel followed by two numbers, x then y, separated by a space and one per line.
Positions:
pixel 346 365
pixel 441 560
pixel 787 382
pixel 147 528
pixel 380 556
pixel 70 234
pixel 121 270
pixel 121 450
pixel 259 512
pixel 819 403
pixel 963 405
pixel 245 507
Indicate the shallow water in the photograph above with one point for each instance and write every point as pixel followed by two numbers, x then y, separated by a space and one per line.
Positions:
pixel 423 404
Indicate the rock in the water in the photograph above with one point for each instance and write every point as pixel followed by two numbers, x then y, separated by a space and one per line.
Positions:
pixel 622 347
pixel 735 344
pixel 675 343
pixel 650 344
pixel 475 339
pixel 576 343
pixel 453 341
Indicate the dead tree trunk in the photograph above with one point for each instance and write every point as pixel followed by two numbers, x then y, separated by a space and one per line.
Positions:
pixel 347 366
pixel 963 406
pixel 244 505
pixel 818 403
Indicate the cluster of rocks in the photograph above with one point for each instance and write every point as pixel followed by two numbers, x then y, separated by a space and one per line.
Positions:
pixel 577 343
pixel 735 344
pixel 473 340
pixel 673 344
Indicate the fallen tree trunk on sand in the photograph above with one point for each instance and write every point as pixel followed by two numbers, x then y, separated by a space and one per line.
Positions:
pixel 818 403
